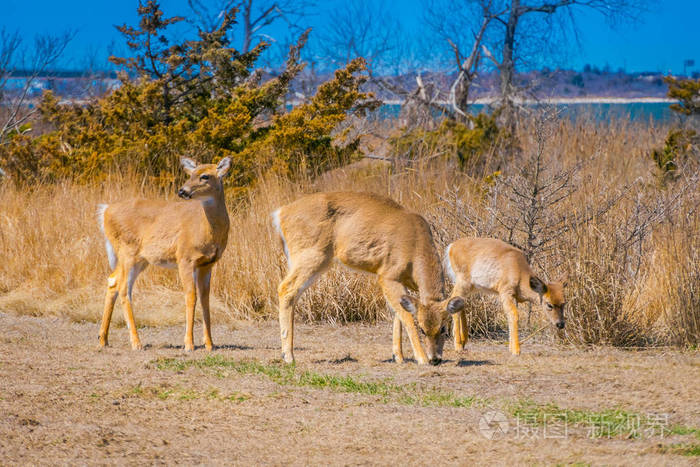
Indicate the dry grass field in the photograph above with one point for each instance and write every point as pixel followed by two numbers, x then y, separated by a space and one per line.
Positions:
pixel 621 382
pixel 629 243
pixel 64 402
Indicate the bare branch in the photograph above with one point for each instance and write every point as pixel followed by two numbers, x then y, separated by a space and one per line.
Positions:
pixel 361 29
pixel 47 50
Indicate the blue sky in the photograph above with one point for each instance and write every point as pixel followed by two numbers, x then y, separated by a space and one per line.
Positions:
pixel 665 36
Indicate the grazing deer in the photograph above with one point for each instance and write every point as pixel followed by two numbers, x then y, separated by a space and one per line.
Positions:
pixel 493 266
pixel 189 235
pixel 372 234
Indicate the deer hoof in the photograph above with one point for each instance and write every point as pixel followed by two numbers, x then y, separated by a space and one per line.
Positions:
pixel 396 359
pixel 287 357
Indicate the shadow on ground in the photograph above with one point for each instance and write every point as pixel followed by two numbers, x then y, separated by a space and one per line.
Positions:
pixel 475 362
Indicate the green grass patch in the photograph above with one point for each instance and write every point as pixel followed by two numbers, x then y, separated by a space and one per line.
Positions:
pixel 288 375
pixel 188 395
pixel 688 449
pixel 682 449
pixel 684 430
pixel 165 393
pixel 237 397
pixel 608 423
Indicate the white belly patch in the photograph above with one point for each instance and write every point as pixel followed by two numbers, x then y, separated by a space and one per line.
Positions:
pixel 447 263
pixel 485 274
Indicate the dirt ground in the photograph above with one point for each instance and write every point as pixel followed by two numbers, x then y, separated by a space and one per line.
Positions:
pixel 62 401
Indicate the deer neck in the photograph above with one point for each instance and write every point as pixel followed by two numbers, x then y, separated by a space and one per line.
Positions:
pixel 215 210
pixel 428 275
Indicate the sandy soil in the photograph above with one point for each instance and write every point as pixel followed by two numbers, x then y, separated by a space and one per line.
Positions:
pixel 64 402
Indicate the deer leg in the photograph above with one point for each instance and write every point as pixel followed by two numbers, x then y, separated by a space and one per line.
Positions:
pixel 393 291
pixel 129 273
pixel 203 278
pixel 187 277
pixel 511 309
pixel 305 270
pixel 457 331
pixel 110 299
pixel 465 328
pixel 397 337
pixel 460 330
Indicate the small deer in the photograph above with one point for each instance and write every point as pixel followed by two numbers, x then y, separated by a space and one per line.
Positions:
pixel 492 266
pixel 190 236
pixel 372 234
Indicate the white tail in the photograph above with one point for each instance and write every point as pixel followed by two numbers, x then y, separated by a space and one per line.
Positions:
pixel 493 266
pixel 278 228
pixel 111 254
pixel 373 234
pixel 189 235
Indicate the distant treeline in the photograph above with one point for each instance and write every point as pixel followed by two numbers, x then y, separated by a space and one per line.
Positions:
pixel 53 74
pixel 540 84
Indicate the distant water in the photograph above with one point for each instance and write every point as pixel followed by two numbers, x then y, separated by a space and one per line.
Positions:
pixel 658 112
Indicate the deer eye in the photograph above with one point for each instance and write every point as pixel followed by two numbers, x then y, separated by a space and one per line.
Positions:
pixel 204 177
pixel 549 306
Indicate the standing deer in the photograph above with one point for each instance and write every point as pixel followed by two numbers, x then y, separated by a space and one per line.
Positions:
pixel 493 266
pixel 189 235
pixel 373 234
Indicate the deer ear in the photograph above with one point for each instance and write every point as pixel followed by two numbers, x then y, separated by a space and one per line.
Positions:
pixel 223 167
pixel 188 165
pixel 408 305
pixel 537 285
pixel 455 305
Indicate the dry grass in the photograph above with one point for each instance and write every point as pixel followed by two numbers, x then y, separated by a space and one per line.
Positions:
pixel 634 269
pixel 343 402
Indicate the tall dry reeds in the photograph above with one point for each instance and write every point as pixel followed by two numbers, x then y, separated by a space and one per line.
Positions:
pixel 633 266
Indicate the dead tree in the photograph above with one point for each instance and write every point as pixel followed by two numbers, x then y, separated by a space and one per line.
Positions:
pixel 361 28
pixel 9 48
pixel 14 108
pixel 465 30
pixel 511 16
pixel 418 105
pixel 254 16
pixel 368 29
